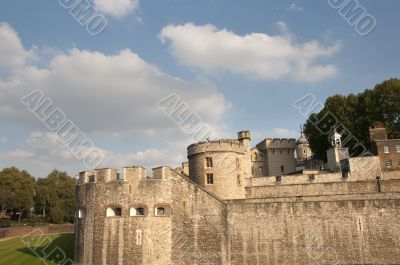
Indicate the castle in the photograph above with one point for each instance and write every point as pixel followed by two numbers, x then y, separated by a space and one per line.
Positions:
pixel 234 204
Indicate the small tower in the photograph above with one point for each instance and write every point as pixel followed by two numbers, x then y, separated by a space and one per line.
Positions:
pixel 303 150
pixel 336 139
pixel 338 156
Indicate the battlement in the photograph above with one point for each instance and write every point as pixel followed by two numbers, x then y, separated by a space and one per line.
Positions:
pixel 223 145
pixel 277 143
pixel 129 174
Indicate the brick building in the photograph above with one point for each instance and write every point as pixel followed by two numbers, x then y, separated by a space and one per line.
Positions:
pixel 388 150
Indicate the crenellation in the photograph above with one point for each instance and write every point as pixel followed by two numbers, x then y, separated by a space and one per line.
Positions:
pixel 216 209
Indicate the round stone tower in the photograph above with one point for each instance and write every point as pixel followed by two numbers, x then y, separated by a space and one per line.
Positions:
pixel 222 167
pixel 303 149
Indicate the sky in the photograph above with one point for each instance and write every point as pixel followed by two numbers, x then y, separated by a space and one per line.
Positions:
pixel 138 78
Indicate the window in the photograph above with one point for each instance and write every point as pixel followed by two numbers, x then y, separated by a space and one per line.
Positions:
pixel 386 149
pixel 278 178
pixel 389 163
pixel 399 163
pixel 239 179
pixel 114 211
pixel 398 148
pixel 91 178
pixel 209 162
pixel 282 169
pixel 210 178
pixel 162 211
pixel 138 237
pixel 255 156
pixel 139 211
pixel 304 151
pixel 261 170
pixel 81 214
pixel 237 163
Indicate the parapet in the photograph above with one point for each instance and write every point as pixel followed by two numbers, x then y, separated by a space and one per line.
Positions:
pixel 277 143
pixel 243 135
pixel 134 173
pixel 223 145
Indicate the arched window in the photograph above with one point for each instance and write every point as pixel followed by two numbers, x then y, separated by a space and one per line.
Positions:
pixel 114 212
pixel 162 210
pixel 137 211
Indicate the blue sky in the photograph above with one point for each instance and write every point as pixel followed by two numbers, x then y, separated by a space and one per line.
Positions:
pixel 237 65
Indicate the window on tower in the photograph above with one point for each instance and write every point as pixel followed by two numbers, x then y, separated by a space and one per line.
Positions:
pixel 210 178
pixel 209 162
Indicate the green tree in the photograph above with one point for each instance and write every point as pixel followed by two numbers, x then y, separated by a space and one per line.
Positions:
pixel 353 115
pixel 20 187
pixel 55 197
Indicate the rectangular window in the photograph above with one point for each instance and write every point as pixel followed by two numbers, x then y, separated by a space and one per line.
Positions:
pixel 398 148
pixel 386 149
pixel 399 163
pixel 239 179
pixel 389 163
pixel 138 237
pixel 91 178
pixel 209 162
pixel 210 179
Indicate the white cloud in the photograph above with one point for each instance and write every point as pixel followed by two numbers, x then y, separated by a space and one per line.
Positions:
pixel 295 7
pixel 49 153
pixel 115 94
pixel 110 96
pixel 255 55
pixel 116 8
pixel 12 53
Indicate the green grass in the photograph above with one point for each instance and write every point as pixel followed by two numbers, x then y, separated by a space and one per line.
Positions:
pixel 37 250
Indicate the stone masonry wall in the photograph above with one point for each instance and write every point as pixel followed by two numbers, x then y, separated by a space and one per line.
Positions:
pixel 327 231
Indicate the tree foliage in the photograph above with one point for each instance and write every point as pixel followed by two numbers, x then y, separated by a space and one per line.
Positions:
pixel 55 197
pixel 353 115
pixel 17 189
pixel 52 197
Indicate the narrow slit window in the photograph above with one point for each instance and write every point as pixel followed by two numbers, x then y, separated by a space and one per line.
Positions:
pixel 138 237
pixel 210 178
pixel 209 162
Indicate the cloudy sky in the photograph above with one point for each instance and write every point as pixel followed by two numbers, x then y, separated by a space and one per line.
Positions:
pixel 232 64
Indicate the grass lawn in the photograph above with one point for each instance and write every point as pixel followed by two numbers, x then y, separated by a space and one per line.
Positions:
pixel 38 250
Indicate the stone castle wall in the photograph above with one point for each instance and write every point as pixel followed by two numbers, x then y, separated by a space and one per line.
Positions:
pixel 315 218
pixel 195 223
pixel 331 221
pixel 329 230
